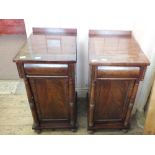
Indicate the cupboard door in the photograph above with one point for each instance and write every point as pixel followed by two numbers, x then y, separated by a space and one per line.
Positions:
pixel 51 98
pixel 111 100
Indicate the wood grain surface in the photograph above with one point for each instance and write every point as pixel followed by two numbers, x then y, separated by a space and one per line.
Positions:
pixel 108 48
pixel 149 127
pixel 53 47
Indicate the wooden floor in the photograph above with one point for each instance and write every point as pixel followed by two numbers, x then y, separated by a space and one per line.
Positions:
pixel 150 119
pixel 15 117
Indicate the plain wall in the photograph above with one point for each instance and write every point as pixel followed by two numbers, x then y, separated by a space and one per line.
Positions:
pixel 9 46
pixel 144 31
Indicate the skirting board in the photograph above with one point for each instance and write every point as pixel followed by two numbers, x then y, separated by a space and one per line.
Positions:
pixel 82 92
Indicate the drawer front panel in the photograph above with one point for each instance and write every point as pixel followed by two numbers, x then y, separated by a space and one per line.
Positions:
pixel 117 72
pixel 46 69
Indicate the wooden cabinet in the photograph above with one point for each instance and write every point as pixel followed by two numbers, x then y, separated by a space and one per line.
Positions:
pixel 47 63
pixel 116 66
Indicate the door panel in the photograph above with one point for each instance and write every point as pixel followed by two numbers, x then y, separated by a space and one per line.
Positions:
pixel 51 97
pixel 112 99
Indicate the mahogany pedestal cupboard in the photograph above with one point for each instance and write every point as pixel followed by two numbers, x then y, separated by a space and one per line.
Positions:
pixel 47 63
pixel 116 66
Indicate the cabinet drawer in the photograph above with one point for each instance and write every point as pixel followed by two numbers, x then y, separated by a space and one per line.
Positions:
pixel 46 69
pixel 117 72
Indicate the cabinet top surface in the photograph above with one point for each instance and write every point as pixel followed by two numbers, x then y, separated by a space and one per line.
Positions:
pixel 115 48
pixel 48 47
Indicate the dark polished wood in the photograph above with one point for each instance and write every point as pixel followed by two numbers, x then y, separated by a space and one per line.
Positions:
pixel 12 26
pixel 111 33
pixel 47 63
pixel 49 47
pixel 116 66
pixel 55 31
pixel 112 50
